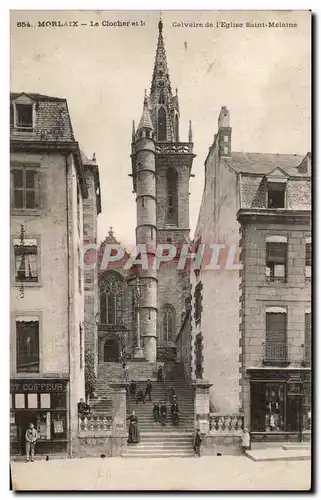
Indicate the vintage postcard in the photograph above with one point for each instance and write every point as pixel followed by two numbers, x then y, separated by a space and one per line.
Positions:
pixel 160 186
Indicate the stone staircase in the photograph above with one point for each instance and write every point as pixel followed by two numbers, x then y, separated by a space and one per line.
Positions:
pixel 157 441
pixel 109 373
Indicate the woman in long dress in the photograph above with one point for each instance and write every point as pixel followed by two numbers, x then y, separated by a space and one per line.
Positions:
pixel 133 431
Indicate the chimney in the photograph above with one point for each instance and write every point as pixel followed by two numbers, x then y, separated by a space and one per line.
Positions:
pixel 224 132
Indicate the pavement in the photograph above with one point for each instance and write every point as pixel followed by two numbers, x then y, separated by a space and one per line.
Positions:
pixel 230 473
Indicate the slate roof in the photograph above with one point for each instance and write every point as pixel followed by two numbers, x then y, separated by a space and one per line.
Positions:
pixel 263 163
pixel 52 120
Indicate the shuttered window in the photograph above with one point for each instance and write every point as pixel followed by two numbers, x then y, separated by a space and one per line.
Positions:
pixel 25 192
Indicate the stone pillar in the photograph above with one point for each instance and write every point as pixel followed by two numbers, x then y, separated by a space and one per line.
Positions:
pixel 202 404
pixel 119 414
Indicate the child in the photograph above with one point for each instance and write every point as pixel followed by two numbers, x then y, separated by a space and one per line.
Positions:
pixel 245 440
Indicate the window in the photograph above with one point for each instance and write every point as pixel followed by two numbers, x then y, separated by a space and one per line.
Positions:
pixel 161 129
pixel 168 323
pixel 111 299
pixel 27 338
pixel 172 196
pixel 268 406
pixel 308 260
pixel 25 188
pixel 276 349
pixel 276 258
pixel 26 261
pixel 198 303
pixel 276 194
pixel 24 116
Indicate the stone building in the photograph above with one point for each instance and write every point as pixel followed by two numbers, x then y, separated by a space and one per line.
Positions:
pixel 250 318
pixel 50 185
pixel 275 295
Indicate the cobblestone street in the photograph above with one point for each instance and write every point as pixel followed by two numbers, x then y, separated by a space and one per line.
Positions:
pixel 206 473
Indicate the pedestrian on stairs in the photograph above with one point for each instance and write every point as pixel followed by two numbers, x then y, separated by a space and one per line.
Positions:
pixel 163 413
pixel 125 368
pixel 156 412
pixel 140 397
pixel 160 374
pixel 132 389
pixel 133 430
pixel 148 390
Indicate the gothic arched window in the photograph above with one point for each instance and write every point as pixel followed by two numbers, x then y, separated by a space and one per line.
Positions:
pixel 168 319
pixel 161 125
pixel 111 299
pixel 176 128
pixel 172 195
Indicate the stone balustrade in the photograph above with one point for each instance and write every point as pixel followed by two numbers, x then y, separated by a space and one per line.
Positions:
pixel 174 148
pixel 225 423
pixel 93 424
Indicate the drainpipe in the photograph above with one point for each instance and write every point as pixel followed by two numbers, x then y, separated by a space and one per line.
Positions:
pixel 69 307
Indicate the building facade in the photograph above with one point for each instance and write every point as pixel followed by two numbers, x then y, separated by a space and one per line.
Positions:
pixel 275 301
pixel 48 189
pixel 251 308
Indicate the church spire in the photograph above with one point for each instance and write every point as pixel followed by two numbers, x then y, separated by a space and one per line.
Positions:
pixel 160 79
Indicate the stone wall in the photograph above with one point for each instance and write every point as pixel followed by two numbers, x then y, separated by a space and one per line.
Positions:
pixel 219 325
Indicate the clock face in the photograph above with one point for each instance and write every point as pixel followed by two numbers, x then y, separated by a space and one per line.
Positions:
pixel 161 83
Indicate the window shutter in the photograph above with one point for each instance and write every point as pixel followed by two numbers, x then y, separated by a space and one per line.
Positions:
pixel 38 193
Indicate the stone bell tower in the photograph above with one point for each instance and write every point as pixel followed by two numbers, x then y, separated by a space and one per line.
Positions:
pixel 161 169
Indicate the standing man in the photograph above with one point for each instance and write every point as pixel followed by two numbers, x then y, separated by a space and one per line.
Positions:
pixel 31 438
pixel 148 390
pixel 163 413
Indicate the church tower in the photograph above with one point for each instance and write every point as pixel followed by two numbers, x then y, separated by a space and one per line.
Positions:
pixel 161 169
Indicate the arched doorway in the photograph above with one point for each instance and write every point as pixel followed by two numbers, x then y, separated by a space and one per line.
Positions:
pixel 111 350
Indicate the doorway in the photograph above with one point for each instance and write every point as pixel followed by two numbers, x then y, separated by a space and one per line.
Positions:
pixel 111 350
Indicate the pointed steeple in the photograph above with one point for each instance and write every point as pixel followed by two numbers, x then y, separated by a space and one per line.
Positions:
pixel 160 79
pixel 145 121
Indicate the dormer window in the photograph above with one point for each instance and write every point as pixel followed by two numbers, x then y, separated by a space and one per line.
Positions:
pixel 276 194
pixel 24 116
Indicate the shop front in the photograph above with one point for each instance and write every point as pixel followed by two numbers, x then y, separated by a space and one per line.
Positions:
pixel 280 405
pixel 42 402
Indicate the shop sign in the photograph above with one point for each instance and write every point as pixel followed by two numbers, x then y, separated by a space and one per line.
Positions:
pixel 41 385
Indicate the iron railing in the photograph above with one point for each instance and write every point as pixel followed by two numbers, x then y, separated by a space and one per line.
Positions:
pixel 275 352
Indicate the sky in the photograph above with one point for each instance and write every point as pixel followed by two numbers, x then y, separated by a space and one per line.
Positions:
pixel 262 74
